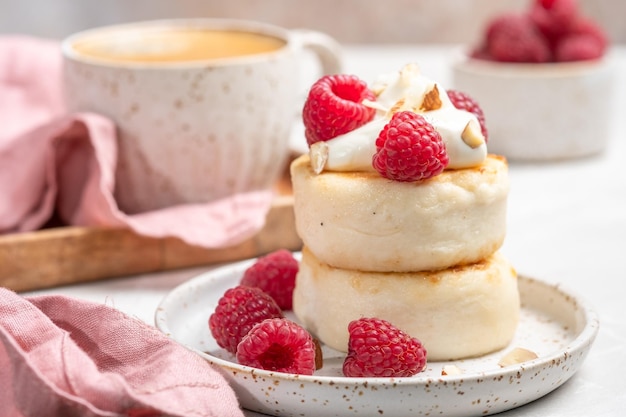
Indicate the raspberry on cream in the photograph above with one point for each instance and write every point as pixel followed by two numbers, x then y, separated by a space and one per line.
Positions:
pixel 406 89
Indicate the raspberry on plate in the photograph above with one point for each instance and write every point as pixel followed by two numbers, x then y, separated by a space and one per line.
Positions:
pixel 376 348
pixel 334 106
pixel 464 101
pixel 278 345
pixel 409 149
pixel 237 311
pixel 275 274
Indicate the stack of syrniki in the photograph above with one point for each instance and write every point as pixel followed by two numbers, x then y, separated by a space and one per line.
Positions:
pixel 420 253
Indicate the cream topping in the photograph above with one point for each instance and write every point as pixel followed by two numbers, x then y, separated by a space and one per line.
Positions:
pixel 406 89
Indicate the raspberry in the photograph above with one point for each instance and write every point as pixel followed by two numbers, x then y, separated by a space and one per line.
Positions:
pixel 275 274
pixel 583 29
pixel 515 38
pixel 237 311
pixel 464 101
pixel 334 107
pixel 584 26
pixel 578 48
pixel 409 149
pixel 376 348
pixel 278 345
pixel 554 18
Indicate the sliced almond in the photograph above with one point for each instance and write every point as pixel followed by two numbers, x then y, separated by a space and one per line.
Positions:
pixel 398 106
pixel 431 101
pixel 472 135
pixel 517 356
pixel 319 356
pixel 451 370
pixel 373 105
pixel 318 153
pixel 378 90
pixel 408 72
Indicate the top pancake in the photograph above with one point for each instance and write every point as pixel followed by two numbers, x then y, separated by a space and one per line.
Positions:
pixel 363 221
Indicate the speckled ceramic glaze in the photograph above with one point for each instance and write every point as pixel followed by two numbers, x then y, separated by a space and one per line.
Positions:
pixel 542 112
pixel 555 324
pixel 195 131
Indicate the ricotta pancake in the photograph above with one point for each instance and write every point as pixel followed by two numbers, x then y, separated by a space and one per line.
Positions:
pixel 365 222
pixel 456 313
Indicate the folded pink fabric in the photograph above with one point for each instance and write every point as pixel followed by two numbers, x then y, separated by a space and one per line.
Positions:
pixel 54 161
pixel 61 356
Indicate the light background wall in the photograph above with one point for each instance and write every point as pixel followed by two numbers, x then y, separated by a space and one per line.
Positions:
pixel 350 21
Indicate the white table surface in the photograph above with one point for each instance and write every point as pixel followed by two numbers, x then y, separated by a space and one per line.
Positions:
pixel 566 225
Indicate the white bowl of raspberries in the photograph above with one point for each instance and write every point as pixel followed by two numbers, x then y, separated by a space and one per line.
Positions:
pixel 545 78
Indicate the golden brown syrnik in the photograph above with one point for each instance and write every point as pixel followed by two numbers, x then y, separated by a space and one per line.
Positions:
pixel 360 220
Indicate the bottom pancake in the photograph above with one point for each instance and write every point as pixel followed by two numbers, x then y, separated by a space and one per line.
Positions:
pixel 456 313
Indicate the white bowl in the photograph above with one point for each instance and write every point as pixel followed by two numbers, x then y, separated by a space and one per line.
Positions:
pixel 541 112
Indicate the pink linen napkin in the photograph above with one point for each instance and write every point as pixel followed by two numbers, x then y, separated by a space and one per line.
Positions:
pixel 61 356
pixel 54 161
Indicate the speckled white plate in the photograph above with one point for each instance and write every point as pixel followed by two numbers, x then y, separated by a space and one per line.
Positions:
pixel 555 324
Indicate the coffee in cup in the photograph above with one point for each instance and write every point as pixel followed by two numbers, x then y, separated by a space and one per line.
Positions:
pixel 172 44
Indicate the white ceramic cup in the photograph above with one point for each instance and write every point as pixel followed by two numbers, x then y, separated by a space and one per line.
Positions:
pixel 193 129
pixel 541 112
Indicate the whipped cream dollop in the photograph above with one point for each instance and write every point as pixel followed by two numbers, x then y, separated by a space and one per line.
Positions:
pixel 402 90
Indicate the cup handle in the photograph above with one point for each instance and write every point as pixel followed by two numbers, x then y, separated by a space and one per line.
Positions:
pixel 326 48
pixel 327 52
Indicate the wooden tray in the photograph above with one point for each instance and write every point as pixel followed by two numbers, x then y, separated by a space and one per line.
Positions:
pixel 67 255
